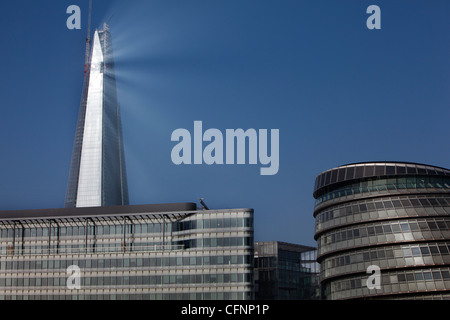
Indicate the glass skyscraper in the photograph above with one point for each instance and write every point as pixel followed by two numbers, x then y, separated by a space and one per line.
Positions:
pixel 98 173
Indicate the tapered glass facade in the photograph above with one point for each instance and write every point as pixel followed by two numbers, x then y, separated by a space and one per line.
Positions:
pixel 98 173
pixel 150 252
pixel 395 216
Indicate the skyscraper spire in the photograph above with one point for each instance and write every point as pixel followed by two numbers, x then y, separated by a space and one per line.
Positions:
pixel 98 174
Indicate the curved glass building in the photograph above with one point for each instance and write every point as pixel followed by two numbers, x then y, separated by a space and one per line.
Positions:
pixel 390 217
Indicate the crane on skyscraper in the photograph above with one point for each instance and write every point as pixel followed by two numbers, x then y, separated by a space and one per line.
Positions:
pixel 88 40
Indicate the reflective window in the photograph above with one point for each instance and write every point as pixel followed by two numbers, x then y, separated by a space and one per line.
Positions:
pixel 380 185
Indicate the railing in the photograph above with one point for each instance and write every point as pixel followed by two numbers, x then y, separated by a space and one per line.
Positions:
pixel 91 250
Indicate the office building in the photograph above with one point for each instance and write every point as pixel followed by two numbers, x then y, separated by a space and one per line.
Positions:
pixel 394 216
pixel 285 271
pixel 146 252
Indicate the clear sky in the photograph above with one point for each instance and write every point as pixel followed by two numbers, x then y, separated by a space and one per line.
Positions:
pixel 338 92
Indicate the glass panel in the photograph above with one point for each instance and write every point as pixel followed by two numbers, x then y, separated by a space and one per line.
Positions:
pixel 359 172
pixel 327 178
pixel 401 170
pixel 341 175
pixel 379 170
pixel 350 173
pixel 411 170
pixel 368 172
pixel 334 176
pixel 390 170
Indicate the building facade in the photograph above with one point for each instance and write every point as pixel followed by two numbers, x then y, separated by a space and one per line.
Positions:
pixel 394 216
pixel 98 173
pixel 147 252
pixel 285 271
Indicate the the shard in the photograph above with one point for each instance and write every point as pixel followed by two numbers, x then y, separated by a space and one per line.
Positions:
pixel 98 174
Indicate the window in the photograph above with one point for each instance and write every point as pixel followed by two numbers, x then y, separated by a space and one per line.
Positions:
pixel 404 227
pixel 425 251
pixel 427 276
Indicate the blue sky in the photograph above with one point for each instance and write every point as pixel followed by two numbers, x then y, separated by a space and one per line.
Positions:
pixel 338 92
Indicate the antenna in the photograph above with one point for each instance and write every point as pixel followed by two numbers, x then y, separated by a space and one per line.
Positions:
pixel 205 207
pixel 88 39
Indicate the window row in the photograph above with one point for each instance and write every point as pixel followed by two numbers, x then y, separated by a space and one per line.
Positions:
pixel 294 280
pixel 135 296
pixel 381 185
pixel 213 224
pixel 87 281
pixel 376 229
pixel 380 205
pixel 93 247
pixel 357 172
pixel 283 265
pixel 136 229
pixel 394 278
pixel 376 254
pixel 26 265
pixel 216 242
